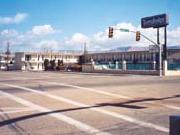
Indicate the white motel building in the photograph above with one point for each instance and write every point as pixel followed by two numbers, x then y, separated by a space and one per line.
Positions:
pixel 35 60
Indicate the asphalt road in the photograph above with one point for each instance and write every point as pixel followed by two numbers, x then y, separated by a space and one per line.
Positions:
pixel 53 103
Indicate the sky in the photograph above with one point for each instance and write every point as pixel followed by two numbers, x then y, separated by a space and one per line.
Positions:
pixel 35 25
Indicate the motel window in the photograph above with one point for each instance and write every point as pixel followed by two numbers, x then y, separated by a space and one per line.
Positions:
pixel 27 57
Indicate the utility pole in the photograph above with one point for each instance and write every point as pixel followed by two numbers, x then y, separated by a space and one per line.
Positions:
pixel 8 50
pixel 85 48
pixel 7 55
pixel 85 52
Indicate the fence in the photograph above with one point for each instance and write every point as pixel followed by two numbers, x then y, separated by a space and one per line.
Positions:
pixel 174 66
pixel 138 66
pixel 130 66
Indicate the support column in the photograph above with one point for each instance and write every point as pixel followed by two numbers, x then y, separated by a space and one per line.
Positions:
pixel 124 67
pixel 165 67
pixel 154 65
pixel 109 64
pixel 92 64
pixel 117 64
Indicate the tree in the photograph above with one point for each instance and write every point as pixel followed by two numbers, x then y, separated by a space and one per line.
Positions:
pixel 60 65
pixel 46 64
pixel 53 65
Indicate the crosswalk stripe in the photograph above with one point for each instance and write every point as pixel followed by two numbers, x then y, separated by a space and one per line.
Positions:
pixel 82 126
pixel 110 113
pixel 111 94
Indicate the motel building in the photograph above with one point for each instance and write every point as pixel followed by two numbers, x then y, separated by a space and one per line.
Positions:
pixel 133 57
pixel 35 60
pixel 6 61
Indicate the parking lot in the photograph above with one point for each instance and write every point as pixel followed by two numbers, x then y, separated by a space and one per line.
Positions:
pixel 55 103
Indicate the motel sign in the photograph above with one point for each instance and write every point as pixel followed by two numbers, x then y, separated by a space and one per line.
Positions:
pixel 156 21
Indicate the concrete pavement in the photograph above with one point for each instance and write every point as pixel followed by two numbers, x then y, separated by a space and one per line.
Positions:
pixel 56 103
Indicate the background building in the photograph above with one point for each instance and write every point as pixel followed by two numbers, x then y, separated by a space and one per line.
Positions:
pixel 35 60
pixel 6 61
pixel 143 59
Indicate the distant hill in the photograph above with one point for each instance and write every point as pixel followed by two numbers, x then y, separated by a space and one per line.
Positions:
pixel 129 49
pixel 174 47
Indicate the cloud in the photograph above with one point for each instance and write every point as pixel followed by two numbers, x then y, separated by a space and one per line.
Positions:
pixel 100 41
pixel 18 18
pixel 43 30
pixel 121 39
pixel 174 36
pixel 35 39
pixel 76 42
pixel 9 33
pixel 77 39
pixel 45 37
pixel 48 45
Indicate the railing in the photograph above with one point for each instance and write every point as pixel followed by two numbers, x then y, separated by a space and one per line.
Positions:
pixel 174 66
pixel 137 66
pixel 130 66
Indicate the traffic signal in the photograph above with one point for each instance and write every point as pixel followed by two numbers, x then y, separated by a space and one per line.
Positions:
pixel 138 35
pixel 110 32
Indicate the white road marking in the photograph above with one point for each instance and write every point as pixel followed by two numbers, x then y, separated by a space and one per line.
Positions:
pixel 39 77
pixel 89 89
pixel 20 79
pixel 14 108
pixel 88 76
pixel 110 113
pixel 111 94
pixel 47 76
pixel 16 111
pixel 94 74
pixel 84 127
pixel 171 107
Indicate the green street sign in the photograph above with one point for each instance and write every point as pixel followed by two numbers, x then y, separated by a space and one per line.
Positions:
pixel 124 30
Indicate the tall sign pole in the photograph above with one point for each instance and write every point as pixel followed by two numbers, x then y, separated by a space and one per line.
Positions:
pixel 158 36
pixel 165 43
pixel 160 53
pixel 158 21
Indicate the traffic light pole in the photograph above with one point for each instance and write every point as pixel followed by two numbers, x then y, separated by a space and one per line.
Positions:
pixel 126 30
pixel 157 44
pixel 149 39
